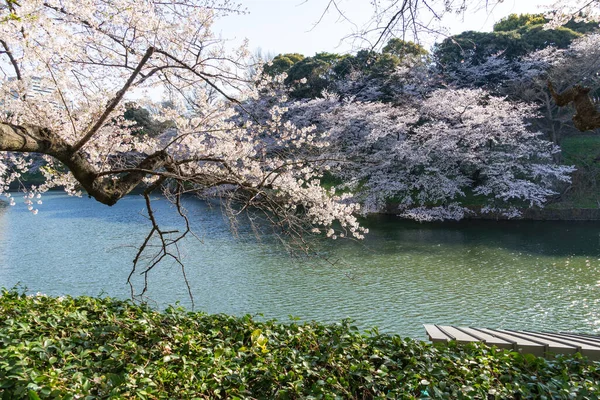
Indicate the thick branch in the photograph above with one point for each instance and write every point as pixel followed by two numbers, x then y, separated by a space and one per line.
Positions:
pixel 586 116
pixel 34 139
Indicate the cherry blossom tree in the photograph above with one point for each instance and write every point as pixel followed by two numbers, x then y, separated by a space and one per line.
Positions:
pixel 430 156
pixel 573 69
pixel 67 67
pixel 575 78
pixel 555 78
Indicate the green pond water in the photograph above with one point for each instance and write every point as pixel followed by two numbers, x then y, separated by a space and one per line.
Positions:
pixel 518 274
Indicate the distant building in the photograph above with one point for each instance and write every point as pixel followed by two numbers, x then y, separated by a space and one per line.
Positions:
pixel 39 90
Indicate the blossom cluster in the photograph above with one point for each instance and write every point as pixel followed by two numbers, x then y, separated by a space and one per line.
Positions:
pixel 429 155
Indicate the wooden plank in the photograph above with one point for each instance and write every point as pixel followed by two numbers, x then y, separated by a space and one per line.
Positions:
pixel 553 346
pixel 595 338
pixel 589 339
pixel 587 348
pixel 488 339
pixel 581 343
pixel 581 340
pixel 536 343
pixel 458 334
pixel 435 334
pixel 444 333
pixel 509 337
pixel 521 345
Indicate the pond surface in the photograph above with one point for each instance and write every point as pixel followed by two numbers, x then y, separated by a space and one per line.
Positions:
pixel 520 275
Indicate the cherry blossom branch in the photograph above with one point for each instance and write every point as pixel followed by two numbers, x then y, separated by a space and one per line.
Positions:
pixel 34 139
pixel 69 117
pixel 583 7
pixel 141 170
pixel 62 99
pixel 89 25
pixel 114 102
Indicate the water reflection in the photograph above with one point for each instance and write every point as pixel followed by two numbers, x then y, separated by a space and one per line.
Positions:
pixel 540 237
pixel 522 275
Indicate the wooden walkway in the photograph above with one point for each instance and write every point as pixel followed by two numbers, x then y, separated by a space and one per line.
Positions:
pixel 538 343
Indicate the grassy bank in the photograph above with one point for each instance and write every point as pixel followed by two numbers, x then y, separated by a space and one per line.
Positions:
pixel 104 348
pixel 582 151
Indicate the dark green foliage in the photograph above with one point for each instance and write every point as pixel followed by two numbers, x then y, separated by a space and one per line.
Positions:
pixel 145 124
pixel 282 63
pixel 308 77
pixel 582 151
pixel 513 37
pixel 384 65
pixel 476 47
pixel 582 26
pixel 104 348
pixel 401 48
pixel 536 38
pixel 516 21
pixel 316 70
pixel 362 61
pixel 377 65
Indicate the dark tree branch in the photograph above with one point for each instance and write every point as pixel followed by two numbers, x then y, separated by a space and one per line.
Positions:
pixel 34 139
pixel 89 25
pixel 200 75
pixel 391 22
pixel 12 59
pixel 114 102
pixel 587 117
pixel 168 246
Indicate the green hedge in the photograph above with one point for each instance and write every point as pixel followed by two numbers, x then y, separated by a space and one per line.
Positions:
pixel 105 348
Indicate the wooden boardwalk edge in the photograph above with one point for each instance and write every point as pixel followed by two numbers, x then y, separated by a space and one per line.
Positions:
pixel 541 344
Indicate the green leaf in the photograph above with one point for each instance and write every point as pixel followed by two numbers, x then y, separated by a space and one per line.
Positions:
pixel 33 395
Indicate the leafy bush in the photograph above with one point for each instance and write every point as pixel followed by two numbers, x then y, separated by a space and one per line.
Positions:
pixel 105 348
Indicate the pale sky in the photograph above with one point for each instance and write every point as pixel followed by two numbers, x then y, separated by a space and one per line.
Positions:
pixel 288 26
